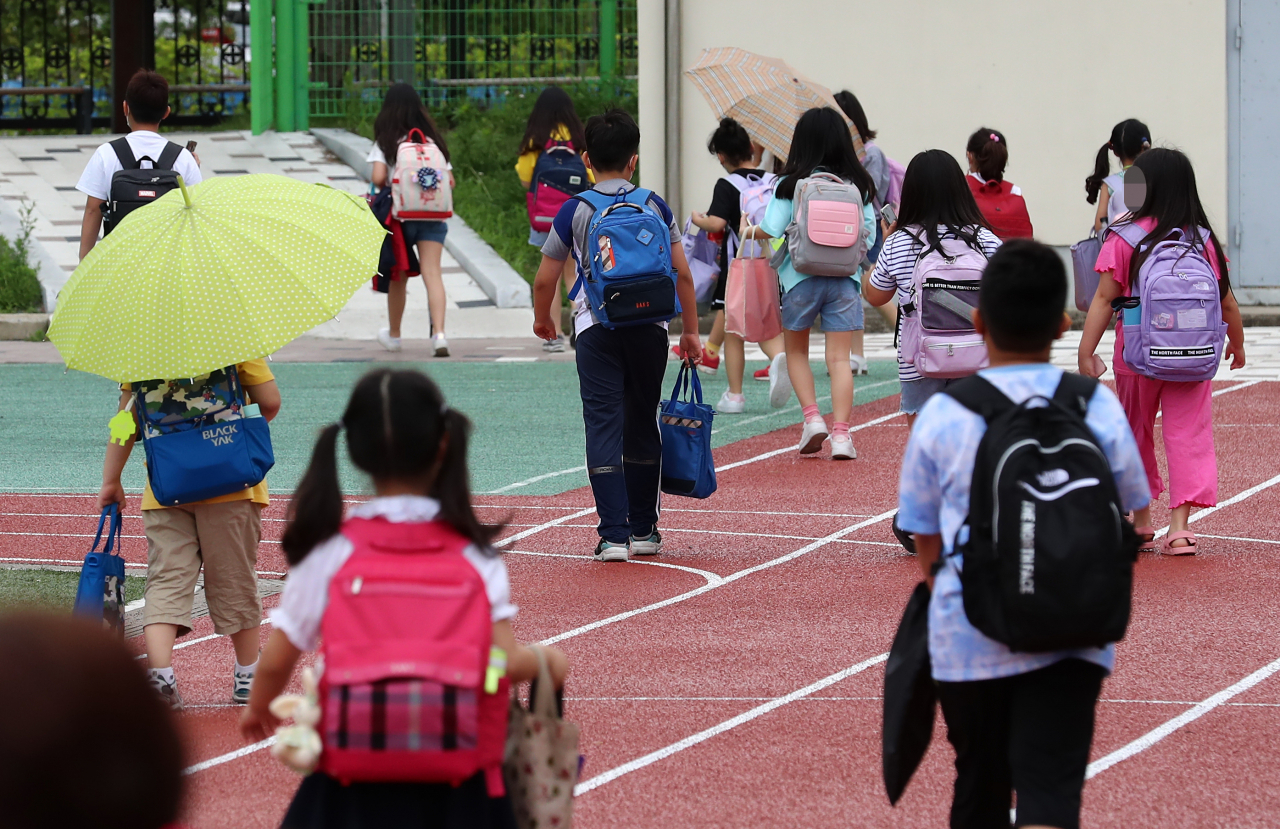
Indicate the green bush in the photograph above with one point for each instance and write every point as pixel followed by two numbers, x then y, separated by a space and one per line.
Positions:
pixel 20 290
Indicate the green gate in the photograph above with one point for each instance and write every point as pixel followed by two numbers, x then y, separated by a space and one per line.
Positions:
pixel 455 49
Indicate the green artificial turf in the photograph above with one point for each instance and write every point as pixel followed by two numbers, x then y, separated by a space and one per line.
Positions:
pixel 51 589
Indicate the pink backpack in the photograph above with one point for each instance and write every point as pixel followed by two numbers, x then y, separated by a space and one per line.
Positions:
pixel 406 637
pixel 420 181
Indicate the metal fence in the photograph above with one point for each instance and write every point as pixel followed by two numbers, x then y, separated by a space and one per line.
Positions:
pixel 202 49
pixel 451 49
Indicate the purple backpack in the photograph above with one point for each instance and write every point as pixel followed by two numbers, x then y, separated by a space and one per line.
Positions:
pixel 1176 331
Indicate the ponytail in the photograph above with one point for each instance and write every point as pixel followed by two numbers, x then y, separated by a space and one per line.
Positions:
pixel 1101 169
pixel 452 487
pixel 315 513
pixel 991 151
pixel 1129 139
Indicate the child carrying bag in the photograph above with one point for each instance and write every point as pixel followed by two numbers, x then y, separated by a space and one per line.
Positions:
pixel 1084 257
pixel 542 761
pixel 201 438
pixel 100 595
pixel 752 308
pixel 702 253
pixel 420 188
pixel 687 466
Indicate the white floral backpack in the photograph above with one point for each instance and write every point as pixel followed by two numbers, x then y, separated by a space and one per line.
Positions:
pixel 420 181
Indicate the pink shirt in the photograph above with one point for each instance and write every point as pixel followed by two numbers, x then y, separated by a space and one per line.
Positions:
pixel 1115 257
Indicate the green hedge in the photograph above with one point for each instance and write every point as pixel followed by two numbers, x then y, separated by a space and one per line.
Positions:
pixel 20 291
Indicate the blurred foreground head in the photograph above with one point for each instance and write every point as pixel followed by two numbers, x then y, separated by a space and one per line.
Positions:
pixel 84 741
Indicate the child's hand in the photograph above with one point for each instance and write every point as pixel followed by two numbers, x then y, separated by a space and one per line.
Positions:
pixel 257 725
pixel 543 329
pixel 1091 365
pixel 112 492
pixel 888 229
pixel 691 347
pixel 1236 352
pixel 557 664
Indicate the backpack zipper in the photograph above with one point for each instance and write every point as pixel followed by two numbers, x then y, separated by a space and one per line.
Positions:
pixel 360 587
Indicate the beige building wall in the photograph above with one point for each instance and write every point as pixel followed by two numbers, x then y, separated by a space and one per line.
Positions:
pixel 1053 76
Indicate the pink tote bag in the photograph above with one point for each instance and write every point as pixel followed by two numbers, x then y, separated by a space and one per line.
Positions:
pixel 751 298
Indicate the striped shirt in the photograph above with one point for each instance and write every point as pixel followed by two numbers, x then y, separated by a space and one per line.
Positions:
pixel 893 272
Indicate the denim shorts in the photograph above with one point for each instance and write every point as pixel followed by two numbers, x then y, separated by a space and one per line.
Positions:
pixel 538 238
pixel 836 298
pixel 915 393
pixel 424 230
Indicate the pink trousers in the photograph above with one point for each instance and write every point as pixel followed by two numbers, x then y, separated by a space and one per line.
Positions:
pixel 1187 424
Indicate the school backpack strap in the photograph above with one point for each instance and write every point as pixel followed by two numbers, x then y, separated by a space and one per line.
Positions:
pixel 1130 232
pixel 169 157
pixel 1074 393
pixel 977 394
pixel 125 153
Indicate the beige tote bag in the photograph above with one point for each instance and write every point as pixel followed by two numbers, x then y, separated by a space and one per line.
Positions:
pixel 541 766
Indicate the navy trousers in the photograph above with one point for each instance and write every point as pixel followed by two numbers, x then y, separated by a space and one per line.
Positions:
pixel 620 372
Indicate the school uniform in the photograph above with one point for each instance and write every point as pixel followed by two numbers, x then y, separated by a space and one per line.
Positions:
pixel 620 373
pixel 1019 721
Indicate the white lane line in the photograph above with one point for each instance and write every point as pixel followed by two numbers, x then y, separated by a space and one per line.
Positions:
pixel 91 535
pixel 535 479
pixel 136 604
pixel 708 576
pixel 1157 734
pixel 1243 385
pixel 741 574
pixel 555 522
pixel 66 561
pixel 673 530
pixel 1238 538
pixel 773 454
pixel 1234 499
pixel 230 755
pixel 729 724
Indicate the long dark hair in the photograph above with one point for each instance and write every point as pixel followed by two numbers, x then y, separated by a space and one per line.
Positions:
pixel 849 103
pixel 402 111
pixel 554 108
pixel 731 140
pixel 991 151
pixel 395 423
pixel 1174 202
pixel 1129 139
pixel 822 141
pixel 935 193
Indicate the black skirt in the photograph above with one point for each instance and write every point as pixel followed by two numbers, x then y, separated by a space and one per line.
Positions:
pixel 321 802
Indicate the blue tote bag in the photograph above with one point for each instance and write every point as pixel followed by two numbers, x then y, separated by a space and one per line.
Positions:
pixel 687 466
pixel 201 438
pixel 100 595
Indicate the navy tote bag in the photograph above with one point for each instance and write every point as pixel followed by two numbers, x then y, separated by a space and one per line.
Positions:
pixel 687 466
pixel 100 595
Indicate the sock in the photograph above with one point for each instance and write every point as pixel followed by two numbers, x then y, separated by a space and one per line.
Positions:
pixel 165 674
pixel 811 412
pixel 713 349
pixel 246 669
pixel 838 428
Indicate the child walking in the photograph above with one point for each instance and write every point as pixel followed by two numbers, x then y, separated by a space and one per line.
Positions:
pixel 1129 139
pixel 554 119
pixel 1172 204
pixel 821 144
pixel 402 434
pixel 403 111
pixel 732 147
pixel 620 369
pixel 936 204
pixel 1000 201
pixel 1019 721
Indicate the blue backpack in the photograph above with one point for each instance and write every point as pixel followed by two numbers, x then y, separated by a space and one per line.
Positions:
pixel 628 276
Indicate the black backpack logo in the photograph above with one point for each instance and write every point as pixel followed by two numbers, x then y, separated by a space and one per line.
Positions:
pixel 1048 564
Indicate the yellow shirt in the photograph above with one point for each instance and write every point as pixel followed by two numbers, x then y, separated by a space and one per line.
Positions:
pixel 526 162
pixel 252 373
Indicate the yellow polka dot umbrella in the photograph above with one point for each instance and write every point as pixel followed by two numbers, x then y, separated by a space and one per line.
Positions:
pixel 226 271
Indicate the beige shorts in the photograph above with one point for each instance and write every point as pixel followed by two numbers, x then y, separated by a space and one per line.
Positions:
pixel 224 539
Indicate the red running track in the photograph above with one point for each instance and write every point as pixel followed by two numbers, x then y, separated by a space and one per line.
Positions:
pixel 788 580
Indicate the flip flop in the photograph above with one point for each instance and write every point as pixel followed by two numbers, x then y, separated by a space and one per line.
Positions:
pixel 1188 550
pixel 1147 539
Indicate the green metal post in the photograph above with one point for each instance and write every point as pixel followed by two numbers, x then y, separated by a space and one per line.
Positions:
pixel 302 67
pixel 608 39
pixel 286 65
pixel 262 69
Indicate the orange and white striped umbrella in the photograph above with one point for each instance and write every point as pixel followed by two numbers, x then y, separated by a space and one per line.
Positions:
pixel 763 94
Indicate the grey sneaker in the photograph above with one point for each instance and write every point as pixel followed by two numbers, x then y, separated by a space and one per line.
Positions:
pixel 608 551
pixel 240 685
pixel 555 346
pixel 168 691
pixel 650 545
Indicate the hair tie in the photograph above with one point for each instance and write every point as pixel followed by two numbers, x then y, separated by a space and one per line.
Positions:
pixel 995 138
pixel 386 408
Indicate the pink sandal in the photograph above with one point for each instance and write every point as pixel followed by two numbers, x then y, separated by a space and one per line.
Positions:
pixel 1188 550
pixel 1146 539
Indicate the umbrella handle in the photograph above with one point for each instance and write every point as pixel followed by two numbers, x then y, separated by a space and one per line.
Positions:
pixel 183 187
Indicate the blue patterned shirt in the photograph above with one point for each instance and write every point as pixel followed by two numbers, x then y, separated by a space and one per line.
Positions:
pixel 933 498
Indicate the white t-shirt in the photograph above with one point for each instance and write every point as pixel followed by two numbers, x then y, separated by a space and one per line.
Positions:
pixel 96 179
pixel 376 154
pixel 306 592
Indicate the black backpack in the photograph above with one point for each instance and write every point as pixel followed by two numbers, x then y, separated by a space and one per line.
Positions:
pixel 1049 560
pixel 134 187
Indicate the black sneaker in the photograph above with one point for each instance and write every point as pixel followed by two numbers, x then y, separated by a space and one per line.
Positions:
pixel 906 539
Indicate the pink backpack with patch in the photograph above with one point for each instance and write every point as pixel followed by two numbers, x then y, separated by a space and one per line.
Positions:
pixel 420 187
pixel 406 693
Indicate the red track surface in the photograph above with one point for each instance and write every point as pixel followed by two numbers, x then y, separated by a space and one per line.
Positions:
pixel 654 678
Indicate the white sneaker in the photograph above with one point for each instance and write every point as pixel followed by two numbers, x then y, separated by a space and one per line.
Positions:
pixel 650 546
pixel 608 551
pixel 779 381
pixel 731 403
pixel 389 342
pixel 440 344
pixel 811 439
pixel 241 683
pixel 842 448
pixel 858 363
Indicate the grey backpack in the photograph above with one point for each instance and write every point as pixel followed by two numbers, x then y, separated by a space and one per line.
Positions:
pixel 826 236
